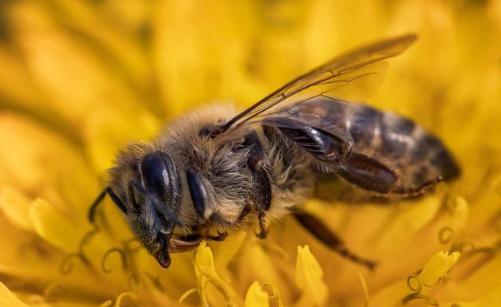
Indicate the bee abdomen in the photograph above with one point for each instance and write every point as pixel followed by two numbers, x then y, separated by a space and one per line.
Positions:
pixel 384 152
pixel 398 141
pixel 430 149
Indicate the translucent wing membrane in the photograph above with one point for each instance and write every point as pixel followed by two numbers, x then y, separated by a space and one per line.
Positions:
pixel 349 76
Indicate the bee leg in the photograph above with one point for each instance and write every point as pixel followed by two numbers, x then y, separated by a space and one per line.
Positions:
pixel 372 175
pixel 218 219
pixel 186 243
pixel 261 194
pixel 320 231
pixel 179 245
pixel 91 213
pixel 263 228
pixel 261 198
pixel 247 209
pixel 221 236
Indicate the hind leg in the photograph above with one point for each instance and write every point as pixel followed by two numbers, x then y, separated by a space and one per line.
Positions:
pixel 320 231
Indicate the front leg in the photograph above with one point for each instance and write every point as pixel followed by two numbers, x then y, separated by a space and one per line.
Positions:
pixel 184 243
pixel 261 193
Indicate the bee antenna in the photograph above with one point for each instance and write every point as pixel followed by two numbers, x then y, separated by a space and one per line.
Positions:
pixel 91 215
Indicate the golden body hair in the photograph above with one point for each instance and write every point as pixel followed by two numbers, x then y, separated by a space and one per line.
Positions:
pixel 223 168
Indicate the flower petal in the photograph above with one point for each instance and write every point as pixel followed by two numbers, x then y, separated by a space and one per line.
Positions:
pixel 34 170
pixel 309 276
pixel 7 298
pixel 260 262
pixel 16 207
pixel 124 297
pixel 256 296
pixel 460 214
pixel 210 285
pixel 437 266
pixel 204 261
pixel 108 303
pixel 55 228
pixel 406 223
pixel 227 250
pixel 491 299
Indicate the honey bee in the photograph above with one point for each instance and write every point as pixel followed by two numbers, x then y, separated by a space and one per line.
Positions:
pixel 213 170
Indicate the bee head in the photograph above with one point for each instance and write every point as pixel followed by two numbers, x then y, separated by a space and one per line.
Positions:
pixel 154 197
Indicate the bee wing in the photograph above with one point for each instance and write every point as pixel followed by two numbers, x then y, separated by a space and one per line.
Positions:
pixel 377 151
pixel 345 76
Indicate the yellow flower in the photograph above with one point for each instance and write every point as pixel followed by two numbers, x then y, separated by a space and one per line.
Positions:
pixel 309 277
pixel 79 79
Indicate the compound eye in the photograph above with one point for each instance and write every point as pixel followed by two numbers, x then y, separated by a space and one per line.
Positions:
pixel 159 176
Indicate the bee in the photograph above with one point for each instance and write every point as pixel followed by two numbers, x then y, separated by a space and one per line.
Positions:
pixel 214 170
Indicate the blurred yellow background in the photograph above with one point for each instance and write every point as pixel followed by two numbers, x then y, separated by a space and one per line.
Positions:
pixel 79 79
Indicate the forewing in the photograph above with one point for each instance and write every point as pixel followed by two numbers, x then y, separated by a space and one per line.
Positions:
pixel 345 76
